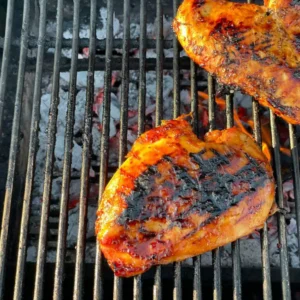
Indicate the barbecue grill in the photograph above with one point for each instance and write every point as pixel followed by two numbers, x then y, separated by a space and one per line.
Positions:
pixel 19 123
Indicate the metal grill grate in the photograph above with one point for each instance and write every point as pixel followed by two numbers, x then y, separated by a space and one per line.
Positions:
pixel 17 272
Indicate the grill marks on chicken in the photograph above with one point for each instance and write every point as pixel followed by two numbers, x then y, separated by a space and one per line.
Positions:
pixel 255 48
pixel 176 196
pixel 203 187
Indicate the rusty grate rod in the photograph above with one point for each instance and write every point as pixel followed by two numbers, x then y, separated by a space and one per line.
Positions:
pixel 236 259
pixel 6 55
pixel 84 184
pixel 217 292
pixel 197 289
pixel 98 277
pixel 118 282
pixel 41 257
pixel 296 178
pixel 13 152
pixel 267 290
pixel 157 288
pixel 177 290
pixel 137 280
pixel 22 249
pixel 284 263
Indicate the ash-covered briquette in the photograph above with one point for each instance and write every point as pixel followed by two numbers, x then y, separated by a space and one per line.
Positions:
pixel 250 246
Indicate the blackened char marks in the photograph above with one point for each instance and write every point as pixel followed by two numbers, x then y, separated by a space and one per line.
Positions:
pixel 198 3
pixel 297 41
pixel 287 110
pixel 216 188
pixel 230 33
pixel 205 190
pixel 295 2
pixel 135 204
pixel 296 74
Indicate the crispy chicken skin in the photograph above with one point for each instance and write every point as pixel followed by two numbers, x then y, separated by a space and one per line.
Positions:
pixel 176 196
pixel 255 48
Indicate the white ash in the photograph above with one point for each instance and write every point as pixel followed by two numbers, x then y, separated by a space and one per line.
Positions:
pixel 84 31
pixel 61 124
pixel 100 32
pixel 151 53
pixel 68 34
pixel 167 29
pixel 183 53
pixel 32 255
pixel 243 100
pixel 151 86
pixel 51 29
pixel 185 97
pixel 96 137
pixel 81 80
pixel 168 52
pixel 51 50
pixel 73 223
pixel 114 114
pixel 66 52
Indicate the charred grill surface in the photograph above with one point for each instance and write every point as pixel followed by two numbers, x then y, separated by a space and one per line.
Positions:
pixel 255 48
pixel 176 196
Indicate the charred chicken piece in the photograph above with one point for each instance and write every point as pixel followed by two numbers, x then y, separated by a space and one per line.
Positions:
pixel 255 48
pixel 176 196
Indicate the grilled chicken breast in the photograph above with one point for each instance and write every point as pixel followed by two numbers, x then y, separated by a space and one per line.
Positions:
pixel 255 48
pixel 176 196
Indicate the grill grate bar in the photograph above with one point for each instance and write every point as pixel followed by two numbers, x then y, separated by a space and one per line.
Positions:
pixel 6 55
pixel 256 121
pixel 177 291
pixel 236 259
pixel 137 280
pixel 211 102
pixel 137 288
pixel 176 73
pixel 52 126
pixel 217 292
pixel 13 153
pixel 117 289
pixel 197 290
pixel 194 98
pixel 41 254
pixel 100 44
pixel 237 277
pixel 142 69
pixel 84 190
pixel 104 149
pixel 124 115
pixel 159 63
pixel 157 288
pixel 22 249
pixel 63 213
pixel 267 291
pixel 100 64
pixel 125 84
pixel 296 178
pixel 229 110
pixel 284 264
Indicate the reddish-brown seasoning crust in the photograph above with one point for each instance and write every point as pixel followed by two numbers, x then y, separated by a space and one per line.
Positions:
pixel 176 196
pixel 255 48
